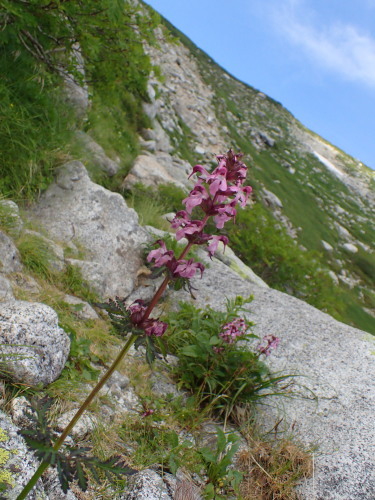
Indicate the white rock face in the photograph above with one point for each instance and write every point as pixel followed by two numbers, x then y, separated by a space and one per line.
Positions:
pixel 33 347
pixel 337 364
pixel 75 208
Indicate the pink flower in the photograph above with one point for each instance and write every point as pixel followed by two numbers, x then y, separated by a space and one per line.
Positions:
pixel 217 180
pixel 232 330
pixel 147 413
pixel 197 195
pixel 188 229
pixel 137 310
pixel 218 350
pixel 161 255
pixel 243 195
pixel 202 170
pixel 154 328
pixel 187 268
pixel 225 213
pixel 272 343
pixel 212 247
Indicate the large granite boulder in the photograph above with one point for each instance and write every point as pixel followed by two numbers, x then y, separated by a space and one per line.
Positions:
pixel 33 348
pixel 333 408
pixel 75 209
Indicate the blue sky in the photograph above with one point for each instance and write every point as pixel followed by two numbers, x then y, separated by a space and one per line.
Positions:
pixel 316 57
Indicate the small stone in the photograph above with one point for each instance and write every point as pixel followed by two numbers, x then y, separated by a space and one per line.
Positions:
pixel 81 308
pixel 350 248
pixel 327 246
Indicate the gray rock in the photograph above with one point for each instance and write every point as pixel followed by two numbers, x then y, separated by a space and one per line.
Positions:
pixel 76 94
pixel 161 385
pixel 121 395
pixel 327 246
pixel 271 199
pixel 146 485
pixel 229 258
pixel 150 172
pixel 97 154
pixel 10 260
pixel 18 464
pixel 158 135
pixel 81 308
pixel 19 407
pixel 261 139
pixel 10 217
pixel 76 208
pixel 26 282
pixel 84 426
pixel 32 346
pixel 54 251
pixel 343 232
pixel 6 292
pixel 52 487
pixel 350 248
pixel 336 362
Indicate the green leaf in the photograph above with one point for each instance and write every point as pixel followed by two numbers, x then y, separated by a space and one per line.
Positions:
pixel 192 351
pixel 81 476
pixel 209 492
pixel 208 455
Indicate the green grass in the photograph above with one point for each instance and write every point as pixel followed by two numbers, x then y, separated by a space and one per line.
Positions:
pixel 34 126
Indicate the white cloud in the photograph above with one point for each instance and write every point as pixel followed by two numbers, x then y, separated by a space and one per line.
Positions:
pixel 341 48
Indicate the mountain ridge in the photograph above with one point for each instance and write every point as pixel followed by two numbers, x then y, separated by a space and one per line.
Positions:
pixel 296 165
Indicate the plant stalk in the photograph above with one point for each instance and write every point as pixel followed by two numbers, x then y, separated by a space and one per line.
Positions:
pixel 44 465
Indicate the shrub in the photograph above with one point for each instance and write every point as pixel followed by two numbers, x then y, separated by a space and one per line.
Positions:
pixel 221 371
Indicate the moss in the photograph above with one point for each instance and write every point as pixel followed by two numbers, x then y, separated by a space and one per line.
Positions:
pixel 5 475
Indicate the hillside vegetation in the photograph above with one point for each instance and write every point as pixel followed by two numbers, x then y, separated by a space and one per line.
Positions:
pixel 282 244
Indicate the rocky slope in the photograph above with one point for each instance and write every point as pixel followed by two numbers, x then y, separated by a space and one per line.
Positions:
pixel 324 198
pixel 330 408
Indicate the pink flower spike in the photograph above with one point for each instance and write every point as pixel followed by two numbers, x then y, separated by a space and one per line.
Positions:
pixel 214 242
pixel 233 330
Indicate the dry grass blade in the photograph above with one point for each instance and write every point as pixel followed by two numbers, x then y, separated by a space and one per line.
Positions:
pixel 272 472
